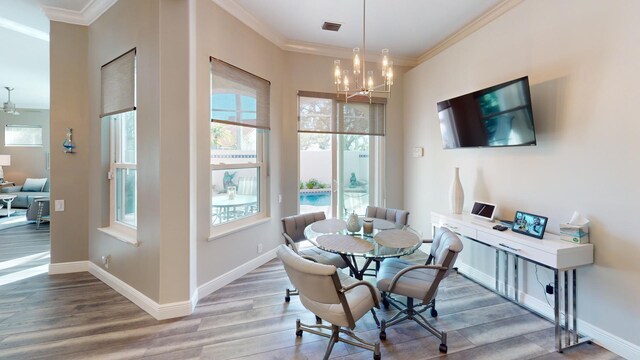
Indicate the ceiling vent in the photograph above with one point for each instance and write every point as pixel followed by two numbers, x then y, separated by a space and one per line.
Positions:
pixel 331 26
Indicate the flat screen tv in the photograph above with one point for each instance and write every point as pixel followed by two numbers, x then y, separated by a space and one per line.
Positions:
pixel 497 116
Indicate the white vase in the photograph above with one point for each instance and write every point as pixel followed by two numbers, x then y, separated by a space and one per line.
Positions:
pixel 456 193
pixel 353 224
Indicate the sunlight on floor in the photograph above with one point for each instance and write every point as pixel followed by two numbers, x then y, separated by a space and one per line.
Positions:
pixel 26 273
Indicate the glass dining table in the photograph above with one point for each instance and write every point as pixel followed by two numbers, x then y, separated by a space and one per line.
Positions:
pixel 387 240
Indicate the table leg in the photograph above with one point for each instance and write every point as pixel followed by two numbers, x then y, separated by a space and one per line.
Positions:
pixel 497 268
pixel 567 340
pixel 556 310
pixel 575 310
pixel 9 207
pixel 515 275
pixel 506 274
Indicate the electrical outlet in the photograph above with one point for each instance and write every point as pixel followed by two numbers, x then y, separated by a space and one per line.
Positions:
pixel 280 199
pixel 549 289
pixel 59 205
pixel 259 248
pixel 106 261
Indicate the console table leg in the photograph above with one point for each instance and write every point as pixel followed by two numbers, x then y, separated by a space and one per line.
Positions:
pixel 506 274
pixel 515 275
pixel 575 310
pixel 556 310
pixel 567 339
pixel 497 268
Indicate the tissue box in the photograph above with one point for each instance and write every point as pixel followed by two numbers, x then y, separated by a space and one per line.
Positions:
pixel 578 234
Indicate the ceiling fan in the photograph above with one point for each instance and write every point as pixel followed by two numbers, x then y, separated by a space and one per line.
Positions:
pixel 8 106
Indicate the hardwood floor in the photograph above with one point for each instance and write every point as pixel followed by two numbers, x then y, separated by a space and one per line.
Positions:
pixel 75 316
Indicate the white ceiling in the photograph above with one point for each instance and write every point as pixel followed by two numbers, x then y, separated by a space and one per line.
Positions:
pixel 410 29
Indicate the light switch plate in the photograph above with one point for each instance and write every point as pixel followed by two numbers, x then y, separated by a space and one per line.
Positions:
pixel 418 151
pixel 59 205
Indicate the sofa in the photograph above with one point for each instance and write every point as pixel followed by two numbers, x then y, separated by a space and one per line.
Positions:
pixel 26 193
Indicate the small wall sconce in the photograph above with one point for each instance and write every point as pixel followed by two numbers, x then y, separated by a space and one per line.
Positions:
pixel 68 142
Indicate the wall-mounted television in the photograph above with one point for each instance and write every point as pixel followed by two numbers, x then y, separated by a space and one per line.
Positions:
pixel 497 116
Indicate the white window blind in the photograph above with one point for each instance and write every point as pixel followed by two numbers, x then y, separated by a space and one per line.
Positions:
pixel 119 85
pixel 361 115
pixel 238 97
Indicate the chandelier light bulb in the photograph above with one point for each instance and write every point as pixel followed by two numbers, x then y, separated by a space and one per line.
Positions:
pixel 336 72
pixel 345 82
pixel 356 61
pixel 370 84
pixel 385 61
pixel 389 74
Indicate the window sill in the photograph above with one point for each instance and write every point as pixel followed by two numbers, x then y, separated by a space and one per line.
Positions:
pixel 120 235
pixel 237 228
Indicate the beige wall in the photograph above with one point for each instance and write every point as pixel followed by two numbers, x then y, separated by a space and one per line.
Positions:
pixel 581 58
pixel 26 161
pixel 69 109
pixel 222 36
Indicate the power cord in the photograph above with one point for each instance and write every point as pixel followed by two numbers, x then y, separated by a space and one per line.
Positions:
pixel 544 288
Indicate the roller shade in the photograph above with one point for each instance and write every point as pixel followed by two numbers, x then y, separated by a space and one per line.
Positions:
pixel 118 81
pixel 322 113
pixel 239 97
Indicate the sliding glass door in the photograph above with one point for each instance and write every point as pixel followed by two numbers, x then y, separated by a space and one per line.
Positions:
pixel 338 157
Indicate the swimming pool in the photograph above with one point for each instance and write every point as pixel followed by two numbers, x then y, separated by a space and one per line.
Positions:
pixel 316 199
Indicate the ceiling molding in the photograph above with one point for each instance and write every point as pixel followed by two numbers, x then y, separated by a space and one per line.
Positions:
pixel 246 18
pixel 339 52
pixel 469 29
pixel 90 13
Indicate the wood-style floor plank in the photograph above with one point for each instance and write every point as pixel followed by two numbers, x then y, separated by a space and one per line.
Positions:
pixel 76 316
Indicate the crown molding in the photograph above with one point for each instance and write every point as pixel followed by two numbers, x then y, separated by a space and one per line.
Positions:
pixel 469 29
pixel 246 18
pixel 90 13
pixel 340 52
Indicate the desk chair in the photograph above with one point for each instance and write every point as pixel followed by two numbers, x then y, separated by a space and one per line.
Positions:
pixel 341 301
pixel 293 232
pixel 398 276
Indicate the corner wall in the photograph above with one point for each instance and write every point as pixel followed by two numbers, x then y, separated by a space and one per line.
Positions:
pixel 581 58
pixel 69 109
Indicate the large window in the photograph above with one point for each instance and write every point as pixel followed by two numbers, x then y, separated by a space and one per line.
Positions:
pixel 23 135
pixel 239 137
pixel 341 147
pixel 118 107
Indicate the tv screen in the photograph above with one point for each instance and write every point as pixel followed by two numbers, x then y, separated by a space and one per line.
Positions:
pixel 500 115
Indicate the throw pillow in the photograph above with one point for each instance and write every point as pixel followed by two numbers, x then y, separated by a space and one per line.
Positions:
pixel 34 185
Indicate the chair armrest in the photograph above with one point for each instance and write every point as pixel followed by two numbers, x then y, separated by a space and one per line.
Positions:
pixel 290 242
pixel 309 258
pixel 10 189
pixel 372 290
pixel 411 268
pixel 427 241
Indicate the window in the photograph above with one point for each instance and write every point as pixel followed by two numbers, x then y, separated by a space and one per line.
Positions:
pixel 23 135
pixel 118 107
pixel 239 137
pixel 340 160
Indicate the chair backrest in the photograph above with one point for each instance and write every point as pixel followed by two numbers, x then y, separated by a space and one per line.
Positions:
pixel 247 185
pixel 294 225
pixel 394 215
pixel 444 251
pixel 314 281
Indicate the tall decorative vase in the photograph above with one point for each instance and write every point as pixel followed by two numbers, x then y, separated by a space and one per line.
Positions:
pixel 456 193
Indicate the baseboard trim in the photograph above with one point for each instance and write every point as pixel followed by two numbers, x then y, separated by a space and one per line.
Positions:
pixel 601 337
pixel 68 267
pixel 158 311
pixel 209 287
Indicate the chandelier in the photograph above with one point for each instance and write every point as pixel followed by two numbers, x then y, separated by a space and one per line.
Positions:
pixel 359 81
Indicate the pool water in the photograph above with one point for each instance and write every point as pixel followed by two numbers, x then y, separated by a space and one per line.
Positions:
pixel 316 199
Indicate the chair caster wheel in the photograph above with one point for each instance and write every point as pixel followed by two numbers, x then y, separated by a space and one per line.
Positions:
pixel 383 335
pixel 299 333
pixel 318 320
pixel 443 348
pixel 287 299
pixel 377 357
pixel 434 312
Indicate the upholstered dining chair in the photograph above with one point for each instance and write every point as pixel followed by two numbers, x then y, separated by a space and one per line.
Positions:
pixel 293 232
pixel 339 300
pixel 397 216
pixel 400 277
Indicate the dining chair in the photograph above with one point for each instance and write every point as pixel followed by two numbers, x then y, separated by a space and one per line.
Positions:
pixel 397 216
pixel 401 277
pixel 293 232
pixel 340 300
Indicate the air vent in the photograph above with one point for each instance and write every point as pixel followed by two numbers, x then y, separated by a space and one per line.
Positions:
pixel 331 26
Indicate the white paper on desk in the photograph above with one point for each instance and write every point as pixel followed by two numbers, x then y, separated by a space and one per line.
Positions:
pixel 578 220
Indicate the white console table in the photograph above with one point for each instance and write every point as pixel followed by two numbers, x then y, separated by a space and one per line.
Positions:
pixel 560 256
